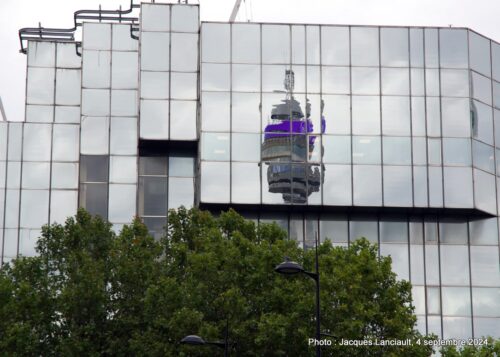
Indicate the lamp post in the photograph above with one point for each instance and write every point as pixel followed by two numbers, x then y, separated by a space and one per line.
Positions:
pixel 289 267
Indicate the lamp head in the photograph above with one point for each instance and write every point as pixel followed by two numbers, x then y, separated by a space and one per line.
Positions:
pixel 193 340
pixel 289 267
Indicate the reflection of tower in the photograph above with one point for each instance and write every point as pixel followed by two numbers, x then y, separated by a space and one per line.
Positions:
pixel 287 148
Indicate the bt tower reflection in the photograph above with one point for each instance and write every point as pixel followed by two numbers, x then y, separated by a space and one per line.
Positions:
pixel 287 148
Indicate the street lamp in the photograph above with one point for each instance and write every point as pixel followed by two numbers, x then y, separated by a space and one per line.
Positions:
pixel 194 340
pixel 289 267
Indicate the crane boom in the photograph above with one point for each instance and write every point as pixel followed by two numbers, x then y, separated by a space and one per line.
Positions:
pixel 235 10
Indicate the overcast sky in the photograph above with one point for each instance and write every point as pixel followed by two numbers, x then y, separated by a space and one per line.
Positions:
pixel 480 15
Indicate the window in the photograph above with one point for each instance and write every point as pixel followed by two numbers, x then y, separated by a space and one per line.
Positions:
pixel 94 171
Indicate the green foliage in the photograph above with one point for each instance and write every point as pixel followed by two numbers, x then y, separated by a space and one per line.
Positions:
pixel 92 292
pixel 484 347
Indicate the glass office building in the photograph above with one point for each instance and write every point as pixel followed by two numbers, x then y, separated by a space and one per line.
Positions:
pixel 390 133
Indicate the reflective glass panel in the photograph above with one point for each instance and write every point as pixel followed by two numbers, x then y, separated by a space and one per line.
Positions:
pixel 419 151
pixel 245 183
pixel 363 226
pixel 337 149
pixel 275 44
pixel 481 88
pixel 67 114
pixel 367 182
pixel 394 47
pixel 432 82
pixel 154 119
pixel 417 264
pixel 68 87
pixel 93 168
pixel 418 116
pixel 65 143
pixel 38 114
pixel 457 327
pixel 431 47
pixel 334 228
pixel 124 103
pixel 123 139
pixel 433 116
pixel 215 181
pixel 215 146
pixel 298 44
pixel 495 54
pixel 40 86
pixel 245 112
pixel 394 231
pixel 184 55
pixel 484 266
pixel 435 187
pixel 155 52
pixel 94 198
pixel 312 45
pixel 454 83
pixel 395 115
pixel 479 53
pixel 434 150
pixel 453 257
pixel 246 43
pixel 397 150
pixel 37 142
pixel 215 111
pixel 399 257
pixel 154 85
pixel 245 147
pixel 36 175
pixel 34 208
pixel 121 203
pixel 416 47
pixel 95 102
pixel 364 46
pixel 365 81
pixel 153 165
pixel 96 69
pixel 453 48
pixel 420 186
pixel 64 175
pixel 395 81
pixel 41 54
pixel 185 18
pixel 482 122
pixel 94 135
pixel 335 80
pixel 433 301
pixel 456 115
pixel 483 156
pixel 152 196
pixel 246 78
pixel 215 42
pixel 63 204
pixel 483 231
pixel 417 81
pixel 456 152
pixel 486 302
pixel 456 301
pixel 397 186
pixel 484 191
pixel 67 57
pixel 337 188
pixel 366 150
pixel 337 113
pixel 215 76
pixel 122 41
pixel 335 45
pixel 123 169
pixel 365 115
pixel 183 120
pixel 180 192
pixel 97 36
pixel 124 70
pixel 184 85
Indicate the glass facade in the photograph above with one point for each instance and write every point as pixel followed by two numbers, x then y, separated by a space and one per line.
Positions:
pixel 388 133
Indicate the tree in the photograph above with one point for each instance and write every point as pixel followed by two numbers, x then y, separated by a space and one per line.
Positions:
pixel 92 292
pixel 484 347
